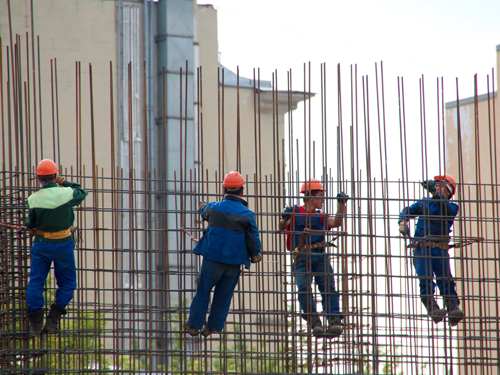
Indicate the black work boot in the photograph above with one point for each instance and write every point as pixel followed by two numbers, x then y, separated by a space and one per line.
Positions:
pixel 35 319
pixel 316 325
pixel 335 326
pixel 190 329
pixel 53 319
pixel 436 313
pixel 455 315
pixel 207 331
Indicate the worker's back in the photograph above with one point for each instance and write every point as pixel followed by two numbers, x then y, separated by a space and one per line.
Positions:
pixel 232 235
pixel 51 208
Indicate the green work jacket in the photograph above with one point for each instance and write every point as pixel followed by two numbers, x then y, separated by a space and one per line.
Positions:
pixel 51 208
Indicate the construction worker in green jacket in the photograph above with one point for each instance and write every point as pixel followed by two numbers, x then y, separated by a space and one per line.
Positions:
pixel 50 219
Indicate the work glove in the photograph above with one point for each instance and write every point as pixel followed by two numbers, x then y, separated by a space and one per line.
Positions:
pixel 403 228
pixel 257 260
pixel 286 214
pixel 342 198
pixel 429 185
pixel 201 204
pixel 60 180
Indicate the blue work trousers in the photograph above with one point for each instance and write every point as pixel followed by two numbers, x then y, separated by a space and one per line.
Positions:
pixel 42 256
pixel 316 265
pixel 224 277
pixel 430 262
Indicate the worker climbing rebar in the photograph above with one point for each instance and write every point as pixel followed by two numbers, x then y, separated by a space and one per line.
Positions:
pixel 310 259
pixel 50 220
pixel 230 240
pixel 430 246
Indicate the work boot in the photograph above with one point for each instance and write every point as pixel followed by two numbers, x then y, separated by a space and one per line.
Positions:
pixel 190 329
pixel 436 313
pixel 207 331
pixel 316 325
pixel 455 315
pixel 438 316
pixel 53 319
pixel 335 326
pixel 35 319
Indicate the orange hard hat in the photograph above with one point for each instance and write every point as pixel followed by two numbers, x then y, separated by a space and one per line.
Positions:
pixel 312 184
pixel 233 180
pixel 46 167
pixel 450 182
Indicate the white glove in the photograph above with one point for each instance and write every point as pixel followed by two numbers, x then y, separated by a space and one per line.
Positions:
pixel 403 227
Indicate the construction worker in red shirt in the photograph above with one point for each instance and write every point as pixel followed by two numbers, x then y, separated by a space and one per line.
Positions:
pixel 50 219
pixel 312 261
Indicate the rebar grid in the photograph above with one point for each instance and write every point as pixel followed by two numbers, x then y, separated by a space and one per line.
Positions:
pixel 137 273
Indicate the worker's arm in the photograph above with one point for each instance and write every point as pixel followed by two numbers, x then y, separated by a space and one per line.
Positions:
pixel 252 238
pixel 336 221
pixel 31 219
pixel 286 217
pixel 79 194
pixel 203 210
pixel 284 223
pixel 443 207
pixel 411 211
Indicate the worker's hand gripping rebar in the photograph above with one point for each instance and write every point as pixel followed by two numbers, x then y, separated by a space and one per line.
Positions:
pixel 342 198
pixel 286 214
pixel 429 185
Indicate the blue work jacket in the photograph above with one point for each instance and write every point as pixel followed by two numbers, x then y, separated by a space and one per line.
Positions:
pixel 232 235
pixel 435 216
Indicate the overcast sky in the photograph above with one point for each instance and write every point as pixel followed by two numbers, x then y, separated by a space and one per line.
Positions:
pixel 449 39
pixel 446 38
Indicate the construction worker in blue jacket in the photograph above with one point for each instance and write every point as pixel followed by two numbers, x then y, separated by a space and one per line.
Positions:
pixel 230 240
pixel 50 219
pixel 431 244
pixel 311 260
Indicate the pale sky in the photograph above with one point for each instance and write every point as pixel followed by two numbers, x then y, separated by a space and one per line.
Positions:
pixel 449 39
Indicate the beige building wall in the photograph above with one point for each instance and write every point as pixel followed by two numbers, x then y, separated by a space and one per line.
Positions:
pixel 88 31
pixel 70 31
pixel 477 266
pixel 84 31
pixel 212 120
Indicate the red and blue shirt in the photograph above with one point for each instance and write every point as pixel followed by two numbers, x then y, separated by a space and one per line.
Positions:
pixel 301 220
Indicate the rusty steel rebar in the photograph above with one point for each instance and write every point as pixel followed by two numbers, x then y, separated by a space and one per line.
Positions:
pixel 136 272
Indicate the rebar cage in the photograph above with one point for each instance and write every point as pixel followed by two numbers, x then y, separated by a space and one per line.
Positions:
pixel 136 271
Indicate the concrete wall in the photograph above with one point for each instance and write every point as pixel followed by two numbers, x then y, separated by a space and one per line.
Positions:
pixel 478 204
pixel 86 31
pixel 89 31
pixel 70 31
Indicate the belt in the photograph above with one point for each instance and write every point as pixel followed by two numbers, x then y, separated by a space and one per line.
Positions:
pixel 309 247
pixel 52 235
pixel 441 245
